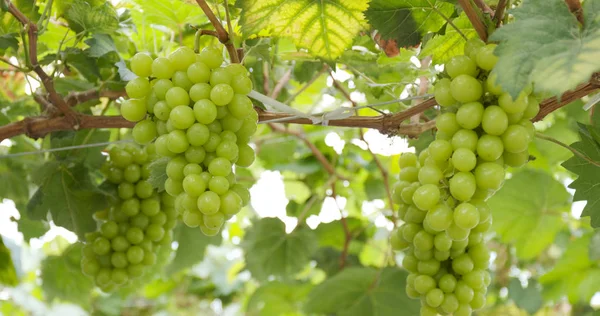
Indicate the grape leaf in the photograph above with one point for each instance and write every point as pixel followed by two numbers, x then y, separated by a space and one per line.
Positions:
pixel 171 13
pixel 158 173
pixel 8 274
pixel 269 250
pixel 62 277
pixel 586 185
pixel 95 19
pixel 8 41
pixel 452 43
pixel 192 243
pixel 363 291
pixel 546 45
pixel 332 234
pixel 69 195
pixel 328 260
pixel 407 21
pixel 325 28
pixel 574 274
pixel 531 220
pixel 529 298
pixel 92 157
pixel 277 298
pixel 100 45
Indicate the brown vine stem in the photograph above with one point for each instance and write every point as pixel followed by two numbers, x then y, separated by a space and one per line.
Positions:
pixel 550 105
pixel 500 10
pixel 223 36
pixel 474 18
pixel 32 34
pixel 575 8
pixel 484 7
pixel 573 150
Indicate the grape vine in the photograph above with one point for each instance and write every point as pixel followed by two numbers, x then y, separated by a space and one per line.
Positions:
pixel 442 193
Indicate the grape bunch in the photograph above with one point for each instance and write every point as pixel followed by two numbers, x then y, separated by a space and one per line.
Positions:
pixel 200 117
pixel 132 229
pixel 442 192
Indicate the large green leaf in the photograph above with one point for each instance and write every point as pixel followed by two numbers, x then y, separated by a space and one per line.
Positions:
pixel 192 243
pixel 96 19
pixel 528 211
pixel 363 291
pixel 277 298
pixel 8 275
pixel 406 21
pixel 62 277
pixel 324 27
pixel 171 13
pixel 529 298
pixel 69 195
pixel 546 45
pixel 452 43
pixel 586 185
pixel 268 250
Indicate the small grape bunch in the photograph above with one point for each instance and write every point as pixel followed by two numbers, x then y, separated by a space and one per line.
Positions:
pixel 442 192
pixel 131 231
pixel 200 117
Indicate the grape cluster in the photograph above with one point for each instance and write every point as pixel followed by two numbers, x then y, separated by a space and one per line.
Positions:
pixel 200 117
pixel 132 229
pixel 442 192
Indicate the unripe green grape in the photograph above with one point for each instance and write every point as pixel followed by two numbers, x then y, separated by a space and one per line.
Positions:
pixel 533 108
pixel 154 232
pixel 162 68
pixel 214 221
pixel 200 91
pixel 141 64
pixel 414 215
pixel 135 270
pixel 461 65
pixel 407 160
pixel 241 84
pixel 447 124
pixel 516 159
pixel 491 86
pixel 205 111
pixel 149 258
pixel 409 174
pixel 480 255
pixel 182 58
pixel 177 96
pixel 195 154
pixel 441 255
pixel 490 148
pixel 486 59
pixel 474 279
pixel 516 139
pixel 428 267
pixel 209 231
pixel 192 218
pixel 220 76
pixel 457 233
pixel 440 150
pixel 439 218
pixel 473 44
pixel 462 185
pixel 478 301
pixel 465 138
pixel 231 123
pixel 231 203
pixel 424 284
pixel 211 56
pixel 426 196
pixel 177 142
pixel 430 175
pixel 197 135
pixel 132 173
pixel 407 193
pixel 397 241
pixel 240 106
pixel 175 167
pixel 135 254
pixel 469 115
pixel 138 88
pixel 126 190
pixel 464 159
pixel 410 263
pixel 410 230
pixel 447 283
pixel 192 168
pixel 246 156
pixel 173 187
pixel 133 110
pixel 466 216
pixel 466 89
pixel 442 242
pixel 442 93
pixel 494 121
pixel 150 207
pixel 450 303
pixel 144 132
pixel 160 88
pixel 140 221
pixel 221 94
pixel 434 298
pixel 143 189
pixel 489 176
pixel 509 105
pixel 423 241
pixel 162 110
pixel 180 79
pixel 463 264
pixel 208 203
pixel 194 185
pixel 198 72
pixel 228 150
pixel 219 185
pixel 115 175
pixel 130 207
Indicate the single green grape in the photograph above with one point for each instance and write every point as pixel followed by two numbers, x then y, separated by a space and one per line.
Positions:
pixel 490 148
pixel 133 110
pixel 486 59
pixel 516 139
pixel 466 216
pixel 162 68
pixel 447 123
pixel 465 138
pixel 489 176
pixel 221 94
pixel 462 185
pixel 442 93
pixel 465 89
pixel 439 218
pixel 198 72
pixel 141 64
pixel 182 58
pixel 469 115
pixel 461 65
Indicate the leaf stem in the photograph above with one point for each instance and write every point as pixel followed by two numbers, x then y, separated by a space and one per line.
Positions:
pixel 573 150
pixel 500 9
pixel 221 32
pixel 474 18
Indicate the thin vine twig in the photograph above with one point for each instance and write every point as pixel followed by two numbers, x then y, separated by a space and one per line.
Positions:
pixel 474 18
pixel 500 9
pixel 573 150
pixel 222 33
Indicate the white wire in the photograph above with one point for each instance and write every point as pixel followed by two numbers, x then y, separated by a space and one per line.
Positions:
pixel 64 148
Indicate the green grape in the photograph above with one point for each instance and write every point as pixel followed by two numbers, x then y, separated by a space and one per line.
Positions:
pixel 447 283
pixel 115 175
pixel 231 203
pixel 197 135
pixel 138 88
pixel 132 173
pixel 149 258
pixel 427 310
pixel 130 207
pixel 424 284
pixel 510 106
pixel 212 143
pixel 414 215
pixel 434 298
pixel 529 127
pixel 231 123
pixel 173 187
pixel 90 267
pixel 533 108
pixel 119 243
pixel 463 292
pixel 175 168
pixel 466 216
pixel 126 190
pixel 143 189
pixel 463 310
pixel 222 112
pixel 159 219
pixel 465 138
pixel 486 59
pixel 245 156
pixel 221 94
pixel 407 193
pixel 101 246
pixel 469 115
pixel 220 76
pixel 211 56
pixel 209 203
pixel 198 72
pixel 466 89
pixel 490 148
pixel 473 45
pixel 194 185
pixel 428 267
pixel 478 301
pixel 442 93
pixel 474 279
pixel 141 64
pixel 464 159
pixel 133 110
pixel 218 184
pixel 423 241
pixel 205 111
pixel 162 68
pixel 516 159
pixel 456 233
pixel 180 79
pixel 155 232
pixel 483 227
pixel 192 218
pixel 135 270
pixel 150 207
pixel 242 192
pixel 440 150
pixel 177 141
pixel 516 139
pixel 396 240
pixel 241 84
pixel 162 110
pixel 109 229
pixel 494 121
pixel 410 292
pixel 441 255
pixel 200 91
pixel 139 221
pixel 461 65
pixel 209 231
pixel 515 117
pixel 410 263
pixel 195 154
pixel 475 238
pixel 491 86
pixel 426 196
pixel 442 241
pixel 135 254
pixel 192 168
pixel 462 185
pixel 214 221
pixel 160 88
pixel 177 96
pixel 215 127
pixel 446 123
pixel 409 174
pixel 182 117
pixel 407 160
pixel 240 106
pixel 144 132
pixel 439 218
pixel 430 174
pixel 409 231
pixel 182 58
pixel 489 176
